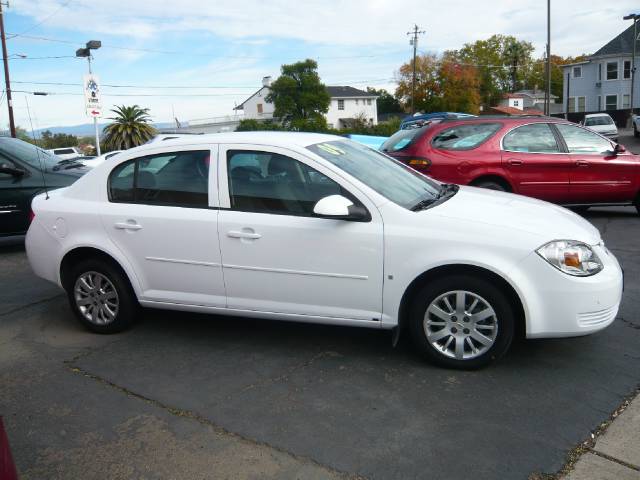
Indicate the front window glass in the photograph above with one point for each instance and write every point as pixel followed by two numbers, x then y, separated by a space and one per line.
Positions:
pixel 593 121
pixel 579 140
pixel 266 182
pixel 402 139
pixel 533 138
pixel 176 179
pixel 464 137
pixel 391 179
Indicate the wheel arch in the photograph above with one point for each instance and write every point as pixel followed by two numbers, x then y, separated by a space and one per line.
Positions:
pixel 80 253
pixel 493 177
pixel 437 272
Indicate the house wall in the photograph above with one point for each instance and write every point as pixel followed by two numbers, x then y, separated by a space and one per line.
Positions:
pixel 587 85
pixel 353 107
pixel 251 106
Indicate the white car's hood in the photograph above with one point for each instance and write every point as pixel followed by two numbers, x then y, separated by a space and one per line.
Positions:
pixel 516 212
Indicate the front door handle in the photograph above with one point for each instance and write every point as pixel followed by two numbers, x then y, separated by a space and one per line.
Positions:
pixel 582 163
pixel 248 235
pixel 513 161
pixel 130 225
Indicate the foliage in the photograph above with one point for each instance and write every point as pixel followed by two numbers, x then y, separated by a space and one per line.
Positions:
pixel 536 75
pixel 386 102
pixel 251 125
pixel 299 97
pixel 130 128
pixel 442 84
pixel 50 140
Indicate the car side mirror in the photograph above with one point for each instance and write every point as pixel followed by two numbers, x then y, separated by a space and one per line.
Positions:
pixel 11 170
pixel 619 148
pixel 340 208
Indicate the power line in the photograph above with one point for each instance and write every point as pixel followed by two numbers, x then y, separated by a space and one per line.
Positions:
pixel 40 22
pixel 40 58
pixel 138 94
pixel 65 84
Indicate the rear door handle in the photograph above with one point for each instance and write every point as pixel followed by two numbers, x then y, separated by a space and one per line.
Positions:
pixel 513 161
pixel 130 225
pixel 249 235
pixel 582 163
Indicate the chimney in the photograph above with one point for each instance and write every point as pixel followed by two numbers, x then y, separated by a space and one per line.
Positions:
pixel 266 81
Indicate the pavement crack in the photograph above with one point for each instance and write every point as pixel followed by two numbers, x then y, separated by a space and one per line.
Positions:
pixel 28 305
pixel 192 415
pixel 615 460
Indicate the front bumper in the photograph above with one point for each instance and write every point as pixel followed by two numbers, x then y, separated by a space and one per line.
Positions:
pixel 560 305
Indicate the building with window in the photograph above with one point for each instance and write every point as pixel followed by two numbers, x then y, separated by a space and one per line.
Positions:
pixel 602 82
pixel 347 105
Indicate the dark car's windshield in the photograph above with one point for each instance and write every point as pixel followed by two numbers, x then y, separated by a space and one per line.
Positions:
pixel 402 139
pixel 388 177
pixel 25 152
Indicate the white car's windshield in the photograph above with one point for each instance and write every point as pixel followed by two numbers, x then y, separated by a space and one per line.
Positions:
pixel 388 177
pixel 593 121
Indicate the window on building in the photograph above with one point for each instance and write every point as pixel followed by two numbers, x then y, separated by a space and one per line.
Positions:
pixel 612 70
pixel 571 104
pixel 259 107
pixel 577 72
pixel 626 71
pixel 626 100
pixel 532 138
pixel 582 103
pixel 357 102
pixel 368 101
pixel 611 102
pixel 340 104
pixel 516 103
pixel 599 72
pixel 176 179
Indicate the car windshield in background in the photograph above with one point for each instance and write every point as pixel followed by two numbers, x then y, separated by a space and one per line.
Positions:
pixel 34 156
pixel 464 137
pixel 388 177
pixel 593 121
pixel 402 139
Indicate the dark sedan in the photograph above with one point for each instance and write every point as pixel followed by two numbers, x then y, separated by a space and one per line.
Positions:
pixel 25 171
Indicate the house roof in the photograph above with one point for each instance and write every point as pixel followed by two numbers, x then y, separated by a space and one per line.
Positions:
pixel 515 111
pixel 623 43
pixel 534 94
pixel 512 95
pixel 241 106
pixel 348 92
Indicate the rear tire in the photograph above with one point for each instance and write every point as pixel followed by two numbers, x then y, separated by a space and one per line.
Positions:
pixel 101 296
pixel 461 321
pixel 635 131
pixel 490 185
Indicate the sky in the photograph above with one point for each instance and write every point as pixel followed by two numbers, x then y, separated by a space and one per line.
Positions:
pixel 194 59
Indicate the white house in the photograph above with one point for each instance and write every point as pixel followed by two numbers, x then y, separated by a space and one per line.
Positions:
pixel 347 104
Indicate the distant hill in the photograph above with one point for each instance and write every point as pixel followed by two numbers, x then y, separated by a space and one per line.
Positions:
pixel 87 130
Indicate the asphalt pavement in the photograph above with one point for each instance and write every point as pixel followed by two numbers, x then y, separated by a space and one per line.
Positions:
pixel 193 396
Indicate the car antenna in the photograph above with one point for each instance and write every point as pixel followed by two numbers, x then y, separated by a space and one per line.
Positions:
pixel 35 144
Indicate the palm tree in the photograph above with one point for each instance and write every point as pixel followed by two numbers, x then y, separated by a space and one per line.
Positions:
pixel 130 128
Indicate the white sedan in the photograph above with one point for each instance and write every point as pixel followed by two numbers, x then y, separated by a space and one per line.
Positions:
pixel 317 228
pixel 94 162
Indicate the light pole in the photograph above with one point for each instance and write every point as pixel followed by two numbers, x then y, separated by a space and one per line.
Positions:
pixel 414 41
pixel 5 58
pixel 634 17
pixel 86 52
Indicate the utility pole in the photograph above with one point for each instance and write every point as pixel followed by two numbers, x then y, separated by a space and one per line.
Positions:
pixel 5 58
pixel 547 94
pixel 635 17
pixel 414 41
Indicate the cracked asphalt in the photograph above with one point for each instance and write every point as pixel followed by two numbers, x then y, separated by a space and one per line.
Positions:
pixel 209 397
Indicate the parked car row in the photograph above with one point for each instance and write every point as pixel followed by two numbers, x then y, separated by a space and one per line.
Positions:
pixel 317 228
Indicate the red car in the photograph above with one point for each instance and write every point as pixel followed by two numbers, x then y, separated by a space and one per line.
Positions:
pixel 541 157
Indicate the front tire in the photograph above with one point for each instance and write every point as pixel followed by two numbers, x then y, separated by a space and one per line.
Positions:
pixel 461 321
pixel 490 185
pixel 101 297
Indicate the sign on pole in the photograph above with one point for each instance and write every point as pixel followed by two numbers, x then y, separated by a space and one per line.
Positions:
pixel 92 101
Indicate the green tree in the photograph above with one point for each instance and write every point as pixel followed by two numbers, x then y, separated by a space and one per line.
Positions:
pixel 300 99
pixel 536 79
pixel 130 128
pixel 50 140
pixel 386 102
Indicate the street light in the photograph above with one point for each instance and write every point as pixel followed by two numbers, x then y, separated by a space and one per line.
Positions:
pixel 86 52
pixel 634 17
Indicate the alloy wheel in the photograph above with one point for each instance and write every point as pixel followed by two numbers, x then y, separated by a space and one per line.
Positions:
pixel 96 298
pixel 460 324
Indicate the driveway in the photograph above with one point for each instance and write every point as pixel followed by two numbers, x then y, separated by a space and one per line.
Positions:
pixel 192 396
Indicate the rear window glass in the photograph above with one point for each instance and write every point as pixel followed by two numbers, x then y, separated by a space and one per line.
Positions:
pixel 64 151
pixel 402 139
pixel 464 137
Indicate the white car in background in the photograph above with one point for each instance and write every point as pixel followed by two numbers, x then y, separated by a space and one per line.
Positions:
pixel 66 153
pixel 317 228
pixel 603 124
pixel 95 161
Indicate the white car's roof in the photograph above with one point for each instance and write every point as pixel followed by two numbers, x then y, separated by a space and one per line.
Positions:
pixel 281 139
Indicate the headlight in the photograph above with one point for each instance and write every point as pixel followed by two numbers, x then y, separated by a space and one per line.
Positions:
pixel 571 257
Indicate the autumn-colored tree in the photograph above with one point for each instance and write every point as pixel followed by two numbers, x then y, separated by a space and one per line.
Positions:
pixel 459 88
pixel 536 78
pixel 427 84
